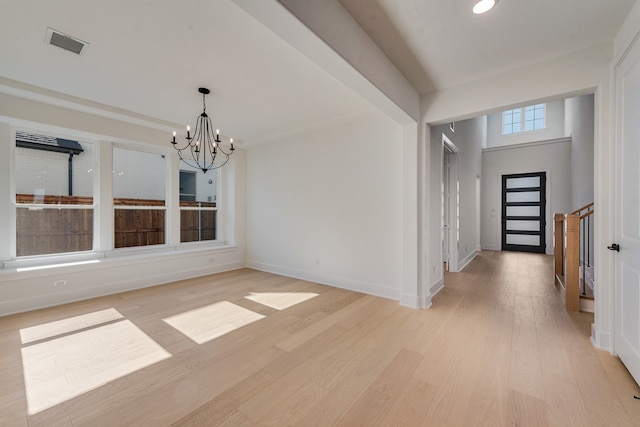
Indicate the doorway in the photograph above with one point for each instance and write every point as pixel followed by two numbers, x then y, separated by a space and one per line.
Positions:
pixel 450 214
pixel 478 213
pixel 627 207
pixel 523 212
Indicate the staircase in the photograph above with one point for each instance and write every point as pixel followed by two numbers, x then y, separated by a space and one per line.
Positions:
pixel 573 257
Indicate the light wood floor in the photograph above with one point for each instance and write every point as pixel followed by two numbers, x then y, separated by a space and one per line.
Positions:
pixel 497 348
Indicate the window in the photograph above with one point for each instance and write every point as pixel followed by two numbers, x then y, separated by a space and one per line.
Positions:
pixel 198 206
pixel 54 195
pixel 57 196
pixel 523 119
pixel 138 198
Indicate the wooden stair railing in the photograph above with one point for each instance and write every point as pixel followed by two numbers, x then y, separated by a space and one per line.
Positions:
pixel 567 232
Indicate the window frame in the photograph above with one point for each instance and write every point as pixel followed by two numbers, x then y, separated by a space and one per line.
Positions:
pixel 201 208
pixel 103 207
pixel 164 208
pixel 41 206
pixel 523 121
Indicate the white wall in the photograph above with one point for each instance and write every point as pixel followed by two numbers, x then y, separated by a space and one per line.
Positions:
pixel 113 271
pixel 330 37
pixel 326 205
pixel 326 33
pixel 468 138
pixel 552 158
pixel 577 73
pixel 435 274
pixel 554 128
pixel 579 126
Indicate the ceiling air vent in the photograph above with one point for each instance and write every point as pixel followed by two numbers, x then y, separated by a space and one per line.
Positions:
pixel 66 42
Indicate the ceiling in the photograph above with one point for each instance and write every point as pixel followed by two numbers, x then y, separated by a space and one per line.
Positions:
pixel 149 57
pixel 438 44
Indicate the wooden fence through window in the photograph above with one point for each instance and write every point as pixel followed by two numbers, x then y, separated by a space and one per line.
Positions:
pixel 47 230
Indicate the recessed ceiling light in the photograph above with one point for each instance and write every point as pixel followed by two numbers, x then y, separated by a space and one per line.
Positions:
pixel 483 6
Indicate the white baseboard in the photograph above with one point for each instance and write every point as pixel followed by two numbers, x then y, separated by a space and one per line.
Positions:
pixel 601 340
pixel 338 282
pixel 462 264
pixel 587 305
pixel 437 287
pixel 410 301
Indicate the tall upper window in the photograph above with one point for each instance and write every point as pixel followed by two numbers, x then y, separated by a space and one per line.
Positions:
pixel 54 195
pixel 198 206
pixel 524 119
pixel 138 198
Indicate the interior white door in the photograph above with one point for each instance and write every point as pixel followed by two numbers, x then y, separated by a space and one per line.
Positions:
pixel 446 220
pixel 627 326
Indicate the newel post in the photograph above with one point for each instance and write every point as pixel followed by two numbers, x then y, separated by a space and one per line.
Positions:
pixel 558 244
pixel 572 292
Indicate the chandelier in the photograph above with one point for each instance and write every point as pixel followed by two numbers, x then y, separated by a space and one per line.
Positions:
pixel 203 151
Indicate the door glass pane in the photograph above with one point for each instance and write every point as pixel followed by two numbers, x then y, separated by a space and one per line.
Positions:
pixel 523 225
pixel 520 239
pixel 523 210
pixel 532 181
pixel 524 196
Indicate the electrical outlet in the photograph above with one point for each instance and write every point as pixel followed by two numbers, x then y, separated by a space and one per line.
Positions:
pixel 57 283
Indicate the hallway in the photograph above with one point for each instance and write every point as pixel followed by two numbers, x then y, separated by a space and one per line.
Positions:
pixel 531 360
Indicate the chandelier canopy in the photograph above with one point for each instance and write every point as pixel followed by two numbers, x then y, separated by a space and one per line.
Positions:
pixel 204 150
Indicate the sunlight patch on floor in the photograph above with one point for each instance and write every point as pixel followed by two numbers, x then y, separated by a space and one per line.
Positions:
pixel 63 368
pixel 280 300
pixel 212 321
pixel 64 326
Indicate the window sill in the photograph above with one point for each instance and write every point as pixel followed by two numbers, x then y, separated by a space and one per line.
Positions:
pixel 42 266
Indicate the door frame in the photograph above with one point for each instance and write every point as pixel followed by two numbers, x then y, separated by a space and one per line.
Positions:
pixel 478 213
pixel 450 150
pixel 625 352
